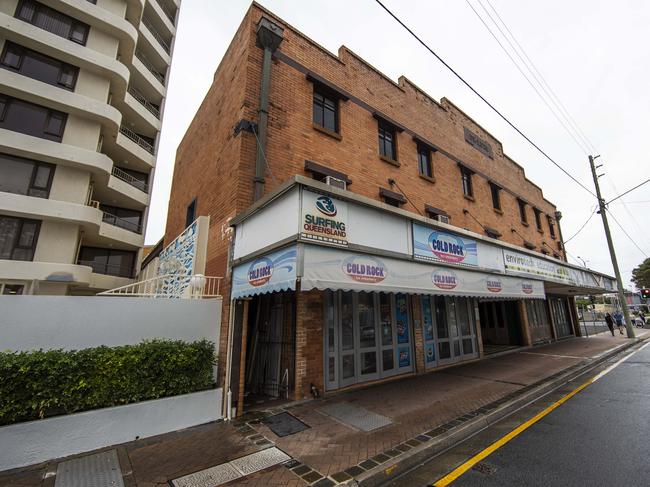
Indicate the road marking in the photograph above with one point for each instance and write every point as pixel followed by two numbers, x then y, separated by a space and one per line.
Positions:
pixel 454 474
pixel 552 355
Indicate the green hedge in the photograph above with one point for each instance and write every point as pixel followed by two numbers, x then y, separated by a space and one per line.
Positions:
pixel 41 383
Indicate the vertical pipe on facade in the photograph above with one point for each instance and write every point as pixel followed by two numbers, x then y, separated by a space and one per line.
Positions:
pixel 269 37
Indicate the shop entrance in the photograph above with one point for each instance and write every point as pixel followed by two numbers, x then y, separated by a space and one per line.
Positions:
pixel 538 322
pixel 448 330
pixel 561 316
pixel 368 336
pixel 500 325
pixel 270 349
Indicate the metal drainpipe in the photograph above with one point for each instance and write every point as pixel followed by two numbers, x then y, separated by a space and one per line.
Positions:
pixel 269 37
pixel 558 217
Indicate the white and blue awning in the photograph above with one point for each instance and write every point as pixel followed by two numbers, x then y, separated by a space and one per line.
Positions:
pixel 271 272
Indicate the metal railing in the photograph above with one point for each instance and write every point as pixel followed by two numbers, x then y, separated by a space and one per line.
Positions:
pixel 171 15
pixel 196 286
pixel 108 269
pixel 141 141
pixel 121 223
pixel 127 178
pixel 149 65
pixel 154 109
pixel 156 35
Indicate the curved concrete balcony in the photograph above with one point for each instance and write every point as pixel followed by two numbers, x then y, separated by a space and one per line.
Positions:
pixel 150 81
pixel 134 155
pixel 110 232
pixel 46 271
pixel 142 114
pixel 42 41
pixel 106 281
pixel 28 89
pixel 164 17
pixel 153 45
pixel 116 191
pixel 104 20
pixel 22 145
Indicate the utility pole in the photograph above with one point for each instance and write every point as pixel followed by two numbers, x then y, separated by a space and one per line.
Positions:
pixel 612 253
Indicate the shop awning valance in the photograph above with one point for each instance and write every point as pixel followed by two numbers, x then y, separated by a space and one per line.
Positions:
pixel 271 272
pixel 328 268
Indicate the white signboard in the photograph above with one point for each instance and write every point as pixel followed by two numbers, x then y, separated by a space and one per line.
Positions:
pixel 328 268
pixel 324 219
pixel 518 263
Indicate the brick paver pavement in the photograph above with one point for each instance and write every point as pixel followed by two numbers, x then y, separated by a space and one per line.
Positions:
pixel 415 405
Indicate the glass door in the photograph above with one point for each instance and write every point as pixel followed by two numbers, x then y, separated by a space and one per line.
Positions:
pixel 347 339
pixel 402 328
pixel 467 326
pixel 387 332
pixel 366 336
pixel 443 335
pixel 331 340
pixel 428 333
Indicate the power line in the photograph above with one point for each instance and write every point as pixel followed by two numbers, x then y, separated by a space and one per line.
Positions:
pixel 581 228
pixel 503 117
pixel 629 191
pixel 572 121
pixel 627 234
pixel 580 144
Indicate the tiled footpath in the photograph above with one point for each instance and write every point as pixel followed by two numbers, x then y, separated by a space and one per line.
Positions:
pixel 422 409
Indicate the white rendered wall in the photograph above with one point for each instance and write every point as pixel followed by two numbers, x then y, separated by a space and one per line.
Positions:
pixel 76 322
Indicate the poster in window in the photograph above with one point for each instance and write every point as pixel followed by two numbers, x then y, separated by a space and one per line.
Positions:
pixel 427 322
pixel 429 353
pixel 402 319
pixel 404 356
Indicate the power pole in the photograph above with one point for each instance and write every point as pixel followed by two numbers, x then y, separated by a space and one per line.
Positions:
pixel 612 253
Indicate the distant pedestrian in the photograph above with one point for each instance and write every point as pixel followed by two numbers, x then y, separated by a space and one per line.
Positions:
pixel 618 318
pixel 610 323
pixel 642 318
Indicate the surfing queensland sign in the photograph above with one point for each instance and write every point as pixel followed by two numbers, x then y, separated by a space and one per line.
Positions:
pixel 438 246
pixel 324 219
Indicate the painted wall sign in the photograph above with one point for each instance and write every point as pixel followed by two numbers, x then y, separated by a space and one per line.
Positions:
pixel 438 246
pixel 478 143
pixel 275 271
pixel 324 219
pixel 519 263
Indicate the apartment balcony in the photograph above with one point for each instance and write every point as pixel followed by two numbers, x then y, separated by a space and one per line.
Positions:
pixel 125 224
pixel 144 142
pixel 108 269
pixel 163 43
pixel 149 70
pixel 169 9
pixel 140 98
pixel 130 180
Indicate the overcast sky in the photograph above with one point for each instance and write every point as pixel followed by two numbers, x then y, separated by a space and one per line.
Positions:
pixel 594 55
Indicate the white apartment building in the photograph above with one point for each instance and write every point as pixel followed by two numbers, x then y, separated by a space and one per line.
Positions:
pixel 82 90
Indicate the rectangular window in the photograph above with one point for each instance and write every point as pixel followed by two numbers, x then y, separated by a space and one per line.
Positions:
pixel 38 66
pixel 387 147
pixel 551 226
pixel 122 217
pixel 522 211
pixel 18 237
pixel 26 177
pixel 538 219
pixel 31 119
pixel 108 261
pixel 190 214
pixel 496 196
pixel 53 21
pixel 326 111
pixel 466 180
pixel 424 161
pixel 12 289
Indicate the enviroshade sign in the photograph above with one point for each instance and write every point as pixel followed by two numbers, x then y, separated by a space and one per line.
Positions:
pixel 437 246
pixel 519 263
pixel 324 219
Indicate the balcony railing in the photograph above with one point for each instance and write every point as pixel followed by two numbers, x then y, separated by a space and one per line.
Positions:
pixel 108 269
pixel 149 65
pixel 142 142
pixel 172 286
pixel 154 109
pixel 127 178
pixel 169 12
pixel 121 223
pixel 156 35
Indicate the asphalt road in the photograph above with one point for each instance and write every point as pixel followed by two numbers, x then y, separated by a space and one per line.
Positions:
pixel 599 437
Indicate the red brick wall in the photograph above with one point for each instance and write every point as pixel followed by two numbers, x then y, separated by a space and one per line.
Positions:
pixel 309 342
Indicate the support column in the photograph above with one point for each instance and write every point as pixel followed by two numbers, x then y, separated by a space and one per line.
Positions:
pixel 575 319
pixel 525 324
pixel 479 334
pixel 242 359
pixel 309 343
pixel 418 339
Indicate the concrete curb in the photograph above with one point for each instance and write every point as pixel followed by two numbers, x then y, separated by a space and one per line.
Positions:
pixel 393 468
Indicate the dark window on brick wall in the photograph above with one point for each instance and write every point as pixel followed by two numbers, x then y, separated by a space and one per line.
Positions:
pixel 425 166
pixel 18 237
pixel 496 196
pixel 38 66
pixel 538 218
pixel 326 111
pixel 466 181
pixel 387 146
pixel 24 176
pixel 53 21
pixel 551 226
pixel 190 214
pixel 31 119
pixel 522 210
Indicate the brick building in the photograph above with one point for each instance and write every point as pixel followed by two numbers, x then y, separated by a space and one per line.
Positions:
pixel 303 158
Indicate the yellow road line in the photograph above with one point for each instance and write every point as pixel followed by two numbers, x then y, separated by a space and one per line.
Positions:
pixel 453 475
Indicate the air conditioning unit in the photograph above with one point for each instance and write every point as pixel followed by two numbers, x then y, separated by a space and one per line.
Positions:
pixel 443 218
pixel 336 182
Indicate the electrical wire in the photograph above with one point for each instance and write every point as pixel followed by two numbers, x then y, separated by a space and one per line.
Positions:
pixel 627 234
pixel 494 109
pixel 581 228
pixel 628 191
pixel 579 143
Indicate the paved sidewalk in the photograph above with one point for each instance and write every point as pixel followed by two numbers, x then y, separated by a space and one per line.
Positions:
pixel 430 403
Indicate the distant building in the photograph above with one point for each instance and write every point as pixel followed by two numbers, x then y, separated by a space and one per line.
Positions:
pixel 82 91
pixel 365 230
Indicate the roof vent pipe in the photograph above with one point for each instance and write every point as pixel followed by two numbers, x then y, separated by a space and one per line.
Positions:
pixel 269 37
